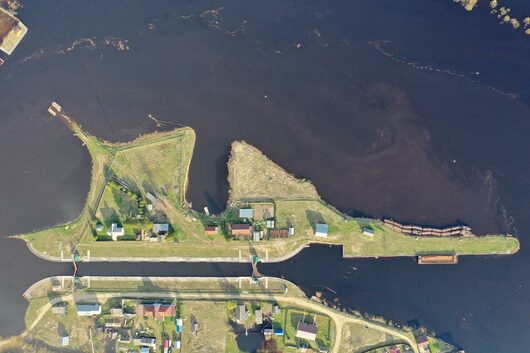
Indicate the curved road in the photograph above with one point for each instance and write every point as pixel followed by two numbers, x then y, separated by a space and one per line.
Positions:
pixel 340 319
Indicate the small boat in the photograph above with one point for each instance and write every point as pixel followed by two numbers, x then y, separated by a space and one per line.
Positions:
pixel 2 61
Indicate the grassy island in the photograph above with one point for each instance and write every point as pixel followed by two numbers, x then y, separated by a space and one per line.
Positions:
pixel 136 209
pixel 201 315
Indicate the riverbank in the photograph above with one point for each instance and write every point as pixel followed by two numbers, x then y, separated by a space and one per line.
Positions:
pixel 139 184
pixel 196 295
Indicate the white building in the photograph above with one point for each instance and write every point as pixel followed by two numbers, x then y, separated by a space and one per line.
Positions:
pixel 88 309
pixel 115 231
pixel 246 213
pixel 368 231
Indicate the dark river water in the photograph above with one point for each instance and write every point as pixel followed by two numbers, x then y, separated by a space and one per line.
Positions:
pixel 415 109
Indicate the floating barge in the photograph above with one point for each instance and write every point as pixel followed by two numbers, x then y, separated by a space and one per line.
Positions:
pixel 438 259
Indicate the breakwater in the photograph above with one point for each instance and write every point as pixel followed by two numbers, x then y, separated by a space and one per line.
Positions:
pixel 428 231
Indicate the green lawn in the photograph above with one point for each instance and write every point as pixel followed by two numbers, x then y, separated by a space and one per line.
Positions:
pixel 387 242
pixel 218 285
pixel 347 231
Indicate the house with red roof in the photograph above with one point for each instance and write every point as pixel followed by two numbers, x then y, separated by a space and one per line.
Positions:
pixel 157 310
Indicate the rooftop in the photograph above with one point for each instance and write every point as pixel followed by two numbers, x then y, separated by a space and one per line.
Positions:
pixel 240 226
pixel 306 331
pixel 246 213
pixel 159 311
pixel 321 228
pixel 310 328
pixel 160 228
pixel 11 32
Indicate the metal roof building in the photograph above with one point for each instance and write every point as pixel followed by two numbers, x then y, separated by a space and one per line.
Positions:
pixel 321 230
pixel 160 228
pixel 88 309
pixel 246 213
pixel 306 331
pixel 241 313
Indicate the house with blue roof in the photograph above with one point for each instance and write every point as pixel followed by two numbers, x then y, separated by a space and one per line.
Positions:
pixel 246 213
pixel 321 230
pixel 88 309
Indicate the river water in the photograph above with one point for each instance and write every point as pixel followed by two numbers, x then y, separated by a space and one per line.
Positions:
pixel 413 109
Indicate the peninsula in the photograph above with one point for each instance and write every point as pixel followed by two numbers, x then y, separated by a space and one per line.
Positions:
pixel 214 315
pixel 136 210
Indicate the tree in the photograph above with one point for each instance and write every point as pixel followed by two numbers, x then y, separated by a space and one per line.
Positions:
pixel 269 346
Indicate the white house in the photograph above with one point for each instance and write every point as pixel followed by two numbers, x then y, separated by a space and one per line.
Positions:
pixel 115 231
pixel 368 231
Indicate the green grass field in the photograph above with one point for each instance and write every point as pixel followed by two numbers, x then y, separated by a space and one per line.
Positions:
pixel 347 231
pixel 218 285
pixel 387 242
